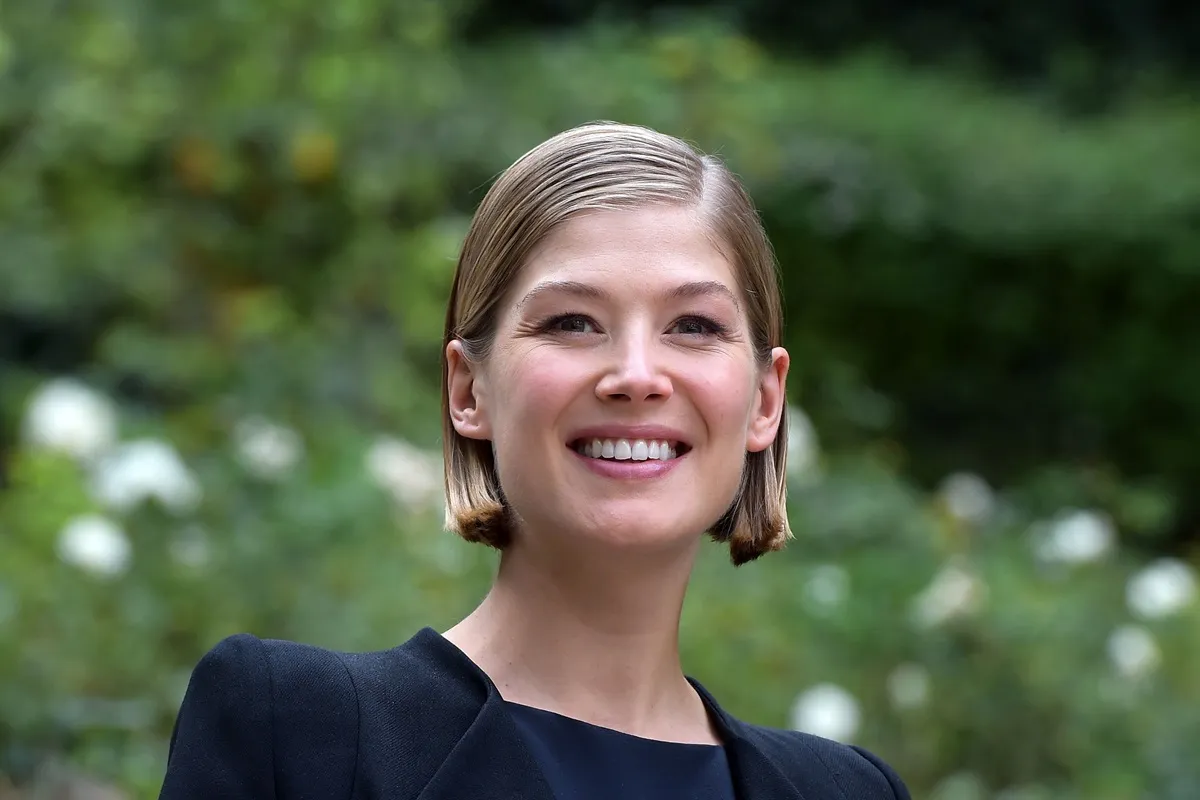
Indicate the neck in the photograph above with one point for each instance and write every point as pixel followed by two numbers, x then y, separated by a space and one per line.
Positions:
pixel 592 638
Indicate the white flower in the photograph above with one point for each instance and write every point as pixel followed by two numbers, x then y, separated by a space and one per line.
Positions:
pixel 412 476
pixel 1077 537
pixel 267 449
pixel 143 469
pixel 1133 651
pixel 66 416
pixel 1161 589
pixel 967 497
pixel 908 686
pixel 803 447
pixel 95 544
pixel 953 592
pixel 827 710
pixel 827 587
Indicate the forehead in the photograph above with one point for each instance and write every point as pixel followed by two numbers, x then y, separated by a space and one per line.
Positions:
pixel 629 252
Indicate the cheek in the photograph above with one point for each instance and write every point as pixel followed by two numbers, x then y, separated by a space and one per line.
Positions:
pixel 725 398
pixel 536 386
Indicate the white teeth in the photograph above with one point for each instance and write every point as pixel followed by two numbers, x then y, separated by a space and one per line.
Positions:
pixel 628 449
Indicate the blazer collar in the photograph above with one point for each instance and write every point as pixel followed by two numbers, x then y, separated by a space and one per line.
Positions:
pixel 491 762
pixel 755 775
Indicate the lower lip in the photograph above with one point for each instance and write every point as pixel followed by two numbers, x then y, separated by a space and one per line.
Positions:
pixel 628 470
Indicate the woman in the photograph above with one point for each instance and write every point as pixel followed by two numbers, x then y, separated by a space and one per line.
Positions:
pixel 613 388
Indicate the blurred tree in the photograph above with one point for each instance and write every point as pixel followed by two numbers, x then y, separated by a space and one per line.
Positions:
pixel 1084 54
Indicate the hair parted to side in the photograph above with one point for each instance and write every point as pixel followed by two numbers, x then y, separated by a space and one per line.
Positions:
pixel 607 166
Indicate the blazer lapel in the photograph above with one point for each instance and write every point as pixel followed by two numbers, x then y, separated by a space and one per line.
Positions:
pixel 490 760
pixel 755 776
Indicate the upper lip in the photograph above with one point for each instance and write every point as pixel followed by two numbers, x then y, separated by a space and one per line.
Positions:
pixel 648 432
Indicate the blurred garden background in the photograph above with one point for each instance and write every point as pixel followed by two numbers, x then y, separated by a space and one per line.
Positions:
pixel 227 231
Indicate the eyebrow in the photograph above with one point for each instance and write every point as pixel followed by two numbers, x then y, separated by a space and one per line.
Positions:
pixel 684 291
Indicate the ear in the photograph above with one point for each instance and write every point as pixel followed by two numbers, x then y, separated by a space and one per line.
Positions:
pixel 772 391
pixel 466 392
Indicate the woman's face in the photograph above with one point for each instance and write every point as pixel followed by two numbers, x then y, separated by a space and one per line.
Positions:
pixel 621 394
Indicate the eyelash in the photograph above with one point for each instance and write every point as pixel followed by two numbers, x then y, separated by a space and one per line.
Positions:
pixel 713 328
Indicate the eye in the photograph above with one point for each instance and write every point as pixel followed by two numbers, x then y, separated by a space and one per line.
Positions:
pixel 570 323
pixel 697 326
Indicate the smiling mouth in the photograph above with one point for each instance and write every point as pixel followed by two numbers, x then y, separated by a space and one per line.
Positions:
pixel 629 449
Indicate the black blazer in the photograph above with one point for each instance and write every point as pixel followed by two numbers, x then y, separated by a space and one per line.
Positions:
pixel 272 719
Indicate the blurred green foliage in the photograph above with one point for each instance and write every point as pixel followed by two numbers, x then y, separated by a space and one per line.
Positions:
pixel 225 213
pixel 1083 54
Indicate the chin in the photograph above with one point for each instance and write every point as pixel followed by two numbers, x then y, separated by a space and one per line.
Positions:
pixel 639 530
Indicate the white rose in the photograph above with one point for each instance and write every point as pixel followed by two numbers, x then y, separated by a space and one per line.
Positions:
pixel 1133 651
pixel 1077 537
pixel 68 417
pixel 95 544
pixel 967 497
pixel 1163 588
pixel 827 710
pixel 411 476
pixel 953 592
pixel 267 449
pixel 140 470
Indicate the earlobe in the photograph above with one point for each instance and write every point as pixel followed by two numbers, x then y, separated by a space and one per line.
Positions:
pixel 772 392
pixel 465 395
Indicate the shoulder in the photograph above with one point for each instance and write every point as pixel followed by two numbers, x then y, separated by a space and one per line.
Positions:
pixel 311 692
pixel 286 673
pixel 263 715
pixel 304 682
pixel 857 772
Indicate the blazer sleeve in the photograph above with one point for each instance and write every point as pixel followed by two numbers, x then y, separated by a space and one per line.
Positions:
pixel 222 743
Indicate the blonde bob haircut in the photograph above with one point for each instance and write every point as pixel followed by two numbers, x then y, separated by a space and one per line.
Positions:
pixel 606 166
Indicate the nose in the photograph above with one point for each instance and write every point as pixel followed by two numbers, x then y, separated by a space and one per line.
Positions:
pixel 634 375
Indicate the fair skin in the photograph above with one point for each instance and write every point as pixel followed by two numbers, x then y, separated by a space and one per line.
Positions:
pixel 621 325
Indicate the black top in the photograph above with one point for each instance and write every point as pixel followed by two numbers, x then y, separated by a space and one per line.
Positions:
pixel 582 761
pixel 272 719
